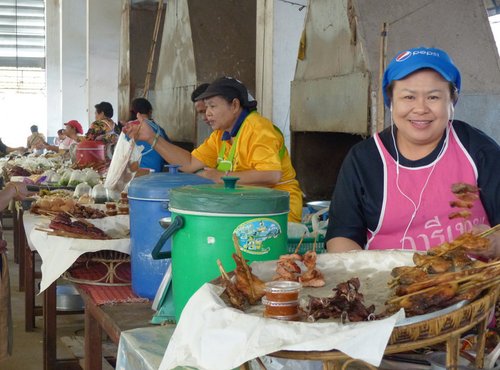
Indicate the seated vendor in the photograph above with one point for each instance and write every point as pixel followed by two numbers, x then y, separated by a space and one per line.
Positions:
pixel 243 144
pixel 73 130
pixel 142 110
pixel 61 142
pixel 36 141
pixel 103 128
pixel 394 189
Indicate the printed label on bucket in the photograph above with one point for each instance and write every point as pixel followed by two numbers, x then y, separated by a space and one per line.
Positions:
pixel 253 234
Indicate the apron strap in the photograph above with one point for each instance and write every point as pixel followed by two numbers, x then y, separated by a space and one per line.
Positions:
pixel 232 151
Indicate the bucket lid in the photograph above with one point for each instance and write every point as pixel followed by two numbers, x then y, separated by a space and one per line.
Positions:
pixel 158 185
pixel 218 198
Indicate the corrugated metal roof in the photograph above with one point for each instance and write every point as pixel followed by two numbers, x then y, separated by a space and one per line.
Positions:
pixel 22 33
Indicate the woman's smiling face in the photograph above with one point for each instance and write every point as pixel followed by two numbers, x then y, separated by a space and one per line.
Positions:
pixel 421 109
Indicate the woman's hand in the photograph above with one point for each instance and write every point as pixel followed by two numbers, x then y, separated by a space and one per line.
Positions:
pixel 493 250
pixel 211 174
pixel 17 190
pixel 139 130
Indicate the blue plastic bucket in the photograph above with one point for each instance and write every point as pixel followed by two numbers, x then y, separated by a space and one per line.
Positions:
pixel 148 202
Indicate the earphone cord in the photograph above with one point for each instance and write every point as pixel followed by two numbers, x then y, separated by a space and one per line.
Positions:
pixel 417 206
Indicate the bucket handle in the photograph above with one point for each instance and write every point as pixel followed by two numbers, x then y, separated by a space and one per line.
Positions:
pixel 177 224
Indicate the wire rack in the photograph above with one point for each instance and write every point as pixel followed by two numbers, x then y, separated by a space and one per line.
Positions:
pixel 111 260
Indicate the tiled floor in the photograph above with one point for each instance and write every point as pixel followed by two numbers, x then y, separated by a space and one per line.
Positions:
pixel 28 347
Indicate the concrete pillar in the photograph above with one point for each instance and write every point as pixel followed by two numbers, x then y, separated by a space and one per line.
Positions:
pixel 104 19
pixel 74 61
pixel 53 67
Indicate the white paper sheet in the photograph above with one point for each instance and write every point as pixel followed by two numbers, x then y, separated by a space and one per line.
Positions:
pixel 211 335
pixel 59 253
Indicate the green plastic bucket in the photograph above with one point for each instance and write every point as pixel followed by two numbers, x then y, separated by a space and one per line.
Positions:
pixel 204 220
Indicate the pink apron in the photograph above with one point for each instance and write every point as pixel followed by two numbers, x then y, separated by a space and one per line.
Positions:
pixel 430 225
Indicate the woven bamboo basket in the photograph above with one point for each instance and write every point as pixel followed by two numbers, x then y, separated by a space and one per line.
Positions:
pixel 447 323
pixel 446 328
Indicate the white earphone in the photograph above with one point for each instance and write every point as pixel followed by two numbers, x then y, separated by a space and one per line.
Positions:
pixel 416 205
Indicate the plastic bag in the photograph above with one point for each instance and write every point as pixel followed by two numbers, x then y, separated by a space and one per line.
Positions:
pixel 49 174
pixel 99 194
pixel 124 164
pixel 297 231
pixel 91 177
pixel 76 178
pixel 65 178
pixel 82 189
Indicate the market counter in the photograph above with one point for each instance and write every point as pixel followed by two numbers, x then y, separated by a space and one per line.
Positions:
pixel 143 348
pixel 111 318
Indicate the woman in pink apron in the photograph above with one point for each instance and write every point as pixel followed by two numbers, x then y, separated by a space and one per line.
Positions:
pixel 394 189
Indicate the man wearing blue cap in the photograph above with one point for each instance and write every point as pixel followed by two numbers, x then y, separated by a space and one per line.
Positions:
pixel 394 189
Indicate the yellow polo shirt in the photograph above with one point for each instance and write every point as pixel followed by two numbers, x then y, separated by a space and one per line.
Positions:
pixel 258 148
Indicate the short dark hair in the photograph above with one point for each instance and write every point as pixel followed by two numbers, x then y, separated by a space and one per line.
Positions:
pixel 104 107
pixel 34 128
pixel 140 105
pixel 198 91
pixel 60 131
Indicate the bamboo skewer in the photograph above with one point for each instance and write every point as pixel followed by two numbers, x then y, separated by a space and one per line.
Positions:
pixel 300 243
pixel 483 285
pixel 489 231
pixel 473 277
pixel 223 272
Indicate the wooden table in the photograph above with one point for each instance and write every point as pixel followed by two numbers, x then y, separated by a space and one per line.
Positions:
pixel 29 275
pixel 105 317
pixel 50 361
pixel 113 319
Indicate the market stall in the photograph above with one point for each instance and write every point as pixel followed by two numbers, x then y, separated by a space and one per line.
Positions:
pixel 227 337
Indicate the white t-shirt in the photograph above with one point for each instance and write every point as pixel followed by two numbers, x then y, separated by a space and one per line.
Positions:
pixel 65 144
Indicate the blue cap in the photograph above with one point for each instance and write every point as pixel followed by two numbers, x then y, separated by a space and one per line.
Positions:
pixel 409 61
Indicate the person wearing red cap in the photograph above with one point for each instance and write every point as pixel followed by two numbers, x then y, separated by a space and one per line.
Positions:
pixel 394 190
pixel 73 130
pixel 242 144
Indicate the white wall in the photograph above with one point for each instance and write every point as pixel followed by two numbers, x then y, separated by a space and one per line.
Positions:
pixel 82 46
pixel 104 19
pixel 53 66
pixel 74 61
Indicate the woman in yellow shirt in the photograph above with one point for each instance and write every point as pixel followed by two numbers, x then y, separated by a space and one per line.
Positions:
pixel 243 144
